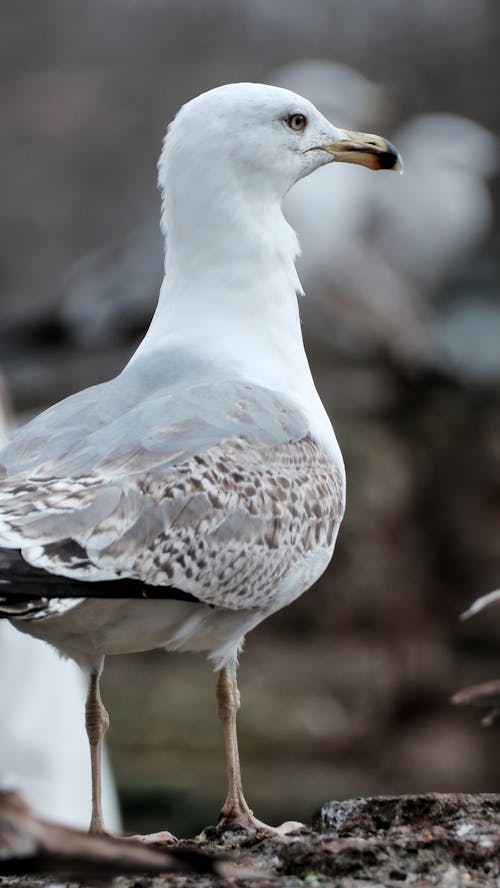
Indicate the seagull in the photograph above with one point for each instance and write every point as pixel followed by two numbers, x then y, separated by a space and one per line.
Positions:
pixel 206 477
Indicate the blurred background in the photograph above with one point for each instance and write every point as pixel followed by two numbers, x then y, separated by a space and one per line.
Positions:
pixel 347 691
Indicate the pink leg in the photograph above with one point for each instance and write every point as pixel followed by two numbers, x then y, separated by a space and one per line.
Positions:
pixel 97 723
pixel 235 811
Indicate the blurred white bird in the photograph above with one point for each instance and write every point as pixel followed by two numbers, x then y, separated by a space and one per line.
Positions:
pixel 431 226
pixel 441 211
pixel 358 302
pixel 43 743
pixel 374 258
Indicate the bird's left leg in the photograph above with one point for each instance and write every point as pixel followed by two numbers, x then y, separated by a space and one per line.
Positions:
pixel 235 811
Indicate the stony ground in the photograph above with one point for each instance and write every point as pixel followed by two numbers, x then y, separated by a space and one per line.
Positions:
pixel 420 840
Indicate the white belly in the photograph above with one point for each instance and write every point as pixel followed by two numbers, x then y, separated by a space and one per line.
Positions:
pixel 91 629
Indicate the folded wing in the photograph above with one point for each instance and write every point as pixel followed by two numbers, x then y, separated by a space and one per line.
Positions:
pixel 212 490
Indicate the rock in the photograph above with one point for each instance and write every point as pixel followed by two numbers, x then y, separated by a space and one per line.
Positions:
pixel 432 839
pixel 448 840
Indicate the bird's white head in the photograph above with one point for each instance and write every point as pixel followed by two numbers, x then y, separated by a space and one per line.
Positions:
pixel 257 141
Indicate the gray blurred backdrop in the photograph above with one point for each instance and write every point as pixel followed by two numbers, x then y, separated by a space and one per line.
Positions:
pixel 347 691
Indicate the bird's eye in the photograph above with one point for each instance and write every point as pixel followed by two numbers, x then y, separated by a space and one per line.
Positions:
pixel 297 122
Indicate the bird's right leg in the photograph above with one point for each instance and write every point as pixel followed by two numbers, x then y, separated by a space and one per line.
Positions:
pixel 97 723
pixel 235 811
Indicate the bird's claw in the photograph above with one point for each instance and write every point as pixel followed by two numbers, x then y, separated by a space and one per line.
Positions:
pixel 159 838
pixel 244 822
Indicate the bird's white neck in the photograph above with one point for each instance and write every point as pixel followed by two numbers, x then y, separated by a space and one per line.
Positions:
pixel 230 295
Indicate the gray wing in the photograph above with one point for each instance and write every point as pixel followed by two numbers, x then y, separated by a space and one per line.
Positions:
pixel 213 488
pixel 132 416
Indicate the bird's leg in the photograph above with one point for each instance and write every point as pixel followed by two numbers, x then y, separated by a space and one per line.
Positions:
pixel 97 723
pixel 235 811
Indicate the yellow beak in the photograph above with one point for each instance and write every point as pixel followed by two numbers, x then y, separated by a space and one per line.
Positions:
pixel 365 149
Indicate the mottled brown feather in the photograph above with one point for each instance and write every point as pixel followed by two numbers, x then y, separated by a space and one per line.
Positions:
pixel 226 525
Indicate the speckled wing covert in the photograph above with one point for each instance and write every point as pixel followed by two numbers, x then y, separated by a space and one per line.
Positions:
pixel 214 489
